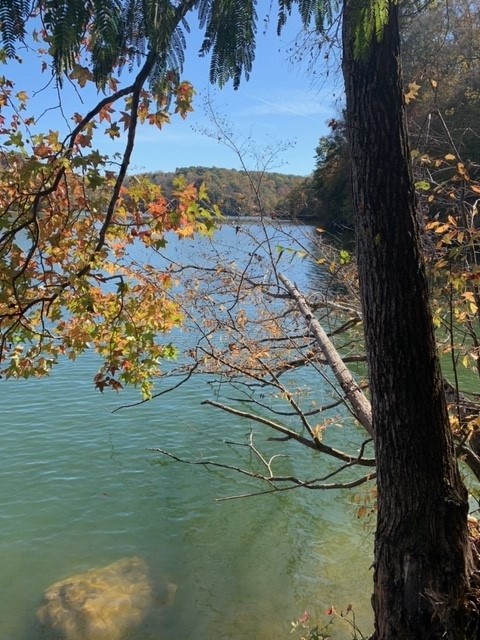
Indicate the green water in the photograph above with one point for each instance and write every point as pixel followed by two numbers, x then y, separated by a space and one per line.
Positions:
pixel 80 489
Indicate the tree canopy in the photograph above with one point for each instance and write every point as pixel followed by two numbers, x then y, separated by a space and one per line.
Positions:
pixel 115 33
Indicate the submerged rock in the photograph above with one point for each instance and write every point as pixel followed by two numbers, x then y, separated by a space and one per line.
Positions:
pixel 103 603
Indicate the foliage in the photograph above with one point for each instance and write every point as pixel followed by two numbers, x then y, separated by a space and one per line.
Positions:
pixel 230 189
pixel 68 221
pixel 441 47
pixel 111 34
pixel 230 36
pixel 452 248
pixel 305 629
pixel 70 232
pixel 441 51
pixel 324 198
pixel 41 279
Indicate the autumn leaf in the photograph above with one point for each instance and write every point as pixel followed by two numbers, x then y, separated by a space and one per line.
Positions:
pixel 113 131
pixel 81 74
pixel 412 94
pixel 461 169
pixel 105 114
pixel 159 118
pixel 125 118
pixel 22 97
pixel 98 297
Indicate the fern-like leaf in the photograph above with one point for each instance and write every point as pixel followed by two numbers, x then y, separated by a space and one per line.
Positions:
pixel 66 21
pixel 107 38
pixel 13 14
pixel 318 11
pixel 230 29
pixel 371 17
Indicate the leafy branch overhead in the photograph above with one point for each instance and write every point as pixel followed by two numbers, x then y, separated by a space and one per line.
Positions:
pixel 112 34
pixel 68 225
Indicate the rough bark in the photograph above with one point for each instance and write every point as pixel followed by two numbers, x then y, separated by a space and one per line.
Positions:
pixel 422 557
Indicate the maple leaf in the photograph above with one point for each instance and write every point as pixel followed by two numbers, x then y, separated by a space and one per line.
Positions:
pixel 105 114
pixel 159 118
pixel 113 131
pixel 81 74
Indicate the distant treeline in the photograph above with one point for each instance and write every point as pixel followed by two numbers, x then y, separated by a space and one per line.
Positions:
pixel 236 193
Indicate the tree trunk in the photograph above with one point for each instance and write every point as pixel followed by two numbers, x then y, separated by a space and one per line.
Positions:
pixel 422 551
pixel 359 403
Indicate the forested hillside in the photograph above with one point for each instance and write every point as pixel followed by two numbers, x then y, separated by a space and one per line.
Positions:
pixel 237 193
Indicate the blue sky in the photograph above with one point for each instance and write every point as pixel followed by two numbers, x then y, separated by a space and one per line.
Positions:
pixel 281 107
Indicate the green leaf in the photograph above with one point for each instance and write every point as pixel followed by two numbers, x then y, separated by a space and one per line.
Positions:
pixel 422 185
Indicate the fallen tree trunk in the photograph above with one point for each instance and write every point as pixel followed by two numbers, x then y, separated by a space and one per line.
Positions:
pixel 468 451
pixel 359 403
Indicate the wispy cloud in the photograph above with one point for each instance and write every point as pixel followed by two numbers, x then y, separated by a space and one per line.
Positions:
pixel 304 105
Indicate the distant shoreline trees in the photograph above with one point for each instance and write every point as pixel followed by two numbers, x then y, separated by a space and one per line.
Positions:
pixel 231 191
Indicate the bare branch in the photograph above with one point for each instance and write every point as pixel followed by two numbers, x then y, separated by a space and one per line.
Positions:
pixel 317 445
pixel 185 379
pixel 295 483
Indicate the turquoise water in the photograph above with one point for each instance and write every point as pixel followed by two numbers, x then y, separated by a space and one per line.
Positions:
pixel 81 488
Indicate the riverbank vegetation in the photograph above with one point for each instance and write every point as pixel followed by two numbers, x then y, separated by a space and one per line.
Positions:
pixel 440 52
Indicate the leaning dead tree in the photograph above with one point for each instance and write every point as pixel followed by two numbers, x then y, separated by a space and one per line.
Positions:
pixel 252 342
pixel 353 393
pixel 285 351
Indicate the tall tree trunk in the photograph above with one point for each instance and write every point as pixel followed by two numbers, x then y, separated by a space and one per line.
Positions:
pixel 422 556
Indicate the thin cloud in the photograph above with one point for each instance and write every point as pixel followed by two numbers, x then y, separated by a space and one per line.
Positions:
pixel 303 106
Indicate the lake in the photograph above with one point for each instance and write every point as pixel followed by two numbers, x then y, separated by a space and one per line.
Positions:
pixel 81 488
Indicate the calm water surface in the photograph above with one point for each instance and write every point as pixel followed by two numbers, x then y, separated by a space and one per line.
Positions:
pixel 80 489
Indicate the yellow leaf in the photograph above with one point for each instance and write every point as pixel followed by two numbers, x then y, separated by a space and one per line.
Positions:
pixel 412 93
pixel 81 74
pixel 452 221
pixel 442 228
pixel 461 169
pixel 450 156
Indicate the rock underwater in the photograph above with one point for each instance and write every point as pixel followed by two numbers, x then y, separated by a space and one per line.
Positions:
pixel 102 603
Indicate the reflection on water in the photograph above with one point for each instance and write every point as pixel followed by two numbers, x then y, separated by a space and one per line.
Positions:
pixel 81 489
